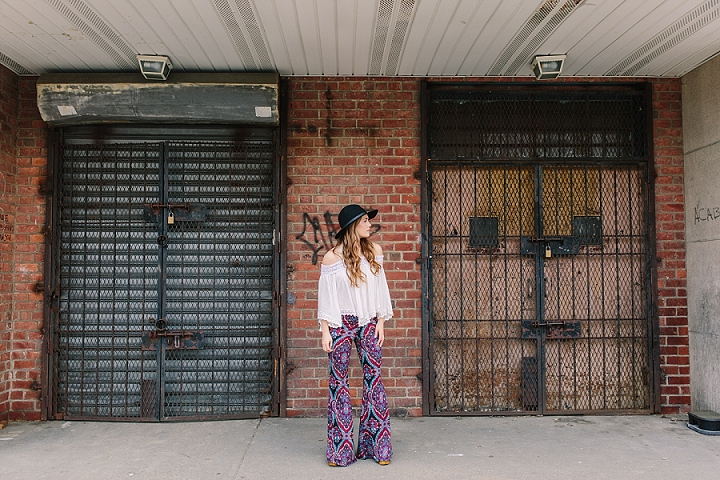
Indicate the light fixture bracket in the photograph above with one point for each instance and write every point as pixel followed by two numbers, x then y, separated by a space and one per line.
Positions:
pixel 546 67
pixel 154 67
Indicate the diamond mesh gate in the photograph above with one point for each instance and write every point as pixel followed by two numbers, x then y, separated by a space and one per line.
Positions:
pixel 538 267
pixel 166 279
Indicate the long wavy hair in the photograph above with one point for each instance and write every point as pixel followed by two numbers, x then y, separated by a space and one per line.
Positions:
pixel 350 255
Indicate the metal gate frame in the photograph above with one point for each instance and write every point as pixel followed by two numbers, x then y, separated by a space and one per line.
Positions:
pixel 428 400
pixel 50 286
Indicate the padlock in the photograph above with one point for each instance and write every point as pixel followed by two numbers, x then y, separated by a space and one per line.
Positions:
pixel 171 218
pixel 548 252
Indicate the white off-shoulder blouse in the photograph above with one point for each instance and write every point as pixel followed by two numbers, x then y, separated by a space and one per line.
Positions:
pixel 337 297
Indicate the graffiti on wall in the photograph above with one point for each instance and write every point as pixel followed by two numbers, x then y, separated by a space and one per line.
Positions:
pixel 314 236
pixel 319 234
pixel 706 214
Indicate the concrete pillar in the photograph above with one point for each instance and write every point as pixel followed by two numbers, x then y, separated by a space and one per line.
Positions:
pixel 701 133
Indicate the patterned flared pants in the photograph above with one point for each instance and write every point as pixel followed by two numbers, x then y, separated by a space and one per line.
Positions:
pixel 374 437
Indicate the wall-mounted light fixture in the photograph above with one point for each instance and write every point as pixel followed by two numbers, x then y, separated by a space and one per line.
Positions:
pixel 546 67
pixel 154 67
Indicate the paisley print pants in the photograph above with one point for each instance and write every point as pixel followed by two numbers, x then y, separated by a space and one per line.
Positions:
pixel 374 436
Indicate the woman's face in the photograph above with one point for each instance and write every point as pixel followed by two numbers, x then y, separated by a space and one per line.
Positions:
pixel 363 227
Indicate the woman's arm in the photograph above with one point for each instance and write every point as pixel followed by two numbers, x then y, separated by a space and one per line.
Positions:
pixel 380 327
pixel 326 337
pixel 380 331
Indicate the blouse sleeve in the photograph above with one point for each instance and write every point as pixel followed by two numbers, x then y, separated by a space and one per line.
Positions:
pixel 383 302
pixel 328 306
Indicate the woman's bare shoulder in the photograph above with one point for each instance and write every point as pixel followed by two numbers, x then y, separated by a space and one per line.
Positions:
pixel 377 249
pixel 331 258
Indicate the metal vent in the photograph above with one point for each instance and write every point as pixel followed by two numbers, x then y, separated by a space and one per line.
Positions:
pixel 668 38
pixel 14 66
pixel 97 30
pixel 395 17
pixel 382 25
pixel 398 39
pixel 236 33
pixel 248 16
pixel 537 21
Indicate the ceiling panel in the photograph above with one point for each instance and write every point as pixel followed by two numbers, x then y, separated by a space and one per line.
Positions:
pixel 345 16
pixel 448 54
pixel 472 44
pixel 307 21
pixel 504 24
pixel 361 37
pixel 590 36
pixel 366 11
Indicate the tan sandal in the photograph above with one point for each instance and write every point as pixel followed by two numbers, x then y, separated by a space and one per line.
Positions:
pixel 384 462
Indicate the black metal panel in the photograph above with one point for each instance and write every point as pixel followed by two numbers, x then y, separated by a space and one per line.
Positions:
pixel 588 230
pixel 219 279
pixel 108 278
pixel 483 232
pixel 479 296
pixel 554 315
pixel 580 311
pixel 501 122
pixel 166 320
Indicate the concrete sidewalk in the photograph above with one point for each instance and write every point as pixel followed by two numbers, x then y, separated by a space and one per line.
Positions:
pixel 434 448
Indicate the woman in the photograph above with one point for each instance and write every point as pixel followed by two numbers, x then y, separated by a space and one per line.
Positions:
pixel 353 305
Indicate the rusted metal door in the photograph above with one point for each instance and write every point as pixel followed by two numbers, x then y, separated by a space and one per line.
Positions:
pixel 538 277
pixel 165 278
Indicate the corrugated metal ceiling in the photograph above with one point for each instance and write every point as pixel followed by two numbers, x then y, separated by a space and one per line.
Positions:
pixel 666 38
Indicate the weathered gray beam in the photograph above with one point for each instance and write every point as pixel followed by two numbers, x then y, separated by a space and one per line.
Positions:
pixel 223 98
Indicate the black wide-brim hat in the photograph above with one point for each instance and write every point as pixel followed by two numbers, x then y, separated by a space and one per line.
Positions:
pixel 348 215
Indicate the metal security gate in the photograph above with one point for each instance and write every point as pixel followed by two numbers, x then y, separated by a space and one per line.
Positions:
pixel 539 256
pixel 165 275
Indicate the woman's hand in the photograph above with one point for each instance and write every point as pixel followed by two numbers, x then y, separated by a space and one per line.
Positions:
pixel 380 331
pixel 326 337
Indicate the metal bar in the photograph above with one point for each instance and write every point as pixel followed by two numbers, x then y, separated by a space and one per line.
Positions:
pixel 507 289
pixel 428 368
pixel 491 288
pixel 523 280
pixel 634 389
pixel 114 183
pixel 162 280
pixel 573 289
pixel 477 294
pixel 461 290
pixel 445 285
pixel 617 287
pixel 603 296
pixel 540 288
pixel 653 344
pixel 51 307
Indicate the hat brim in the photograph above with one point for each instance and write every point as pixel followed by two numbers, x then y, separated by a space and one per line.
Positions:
pixel 371 214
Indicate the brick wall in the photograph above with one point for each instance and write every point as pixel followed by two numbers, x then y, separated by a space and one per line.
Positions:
pixel 670 245
pixel 350 140
pixel 8 124
pixel 22 211
pixel 353 140
pixel 29 255
pixel 356 140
